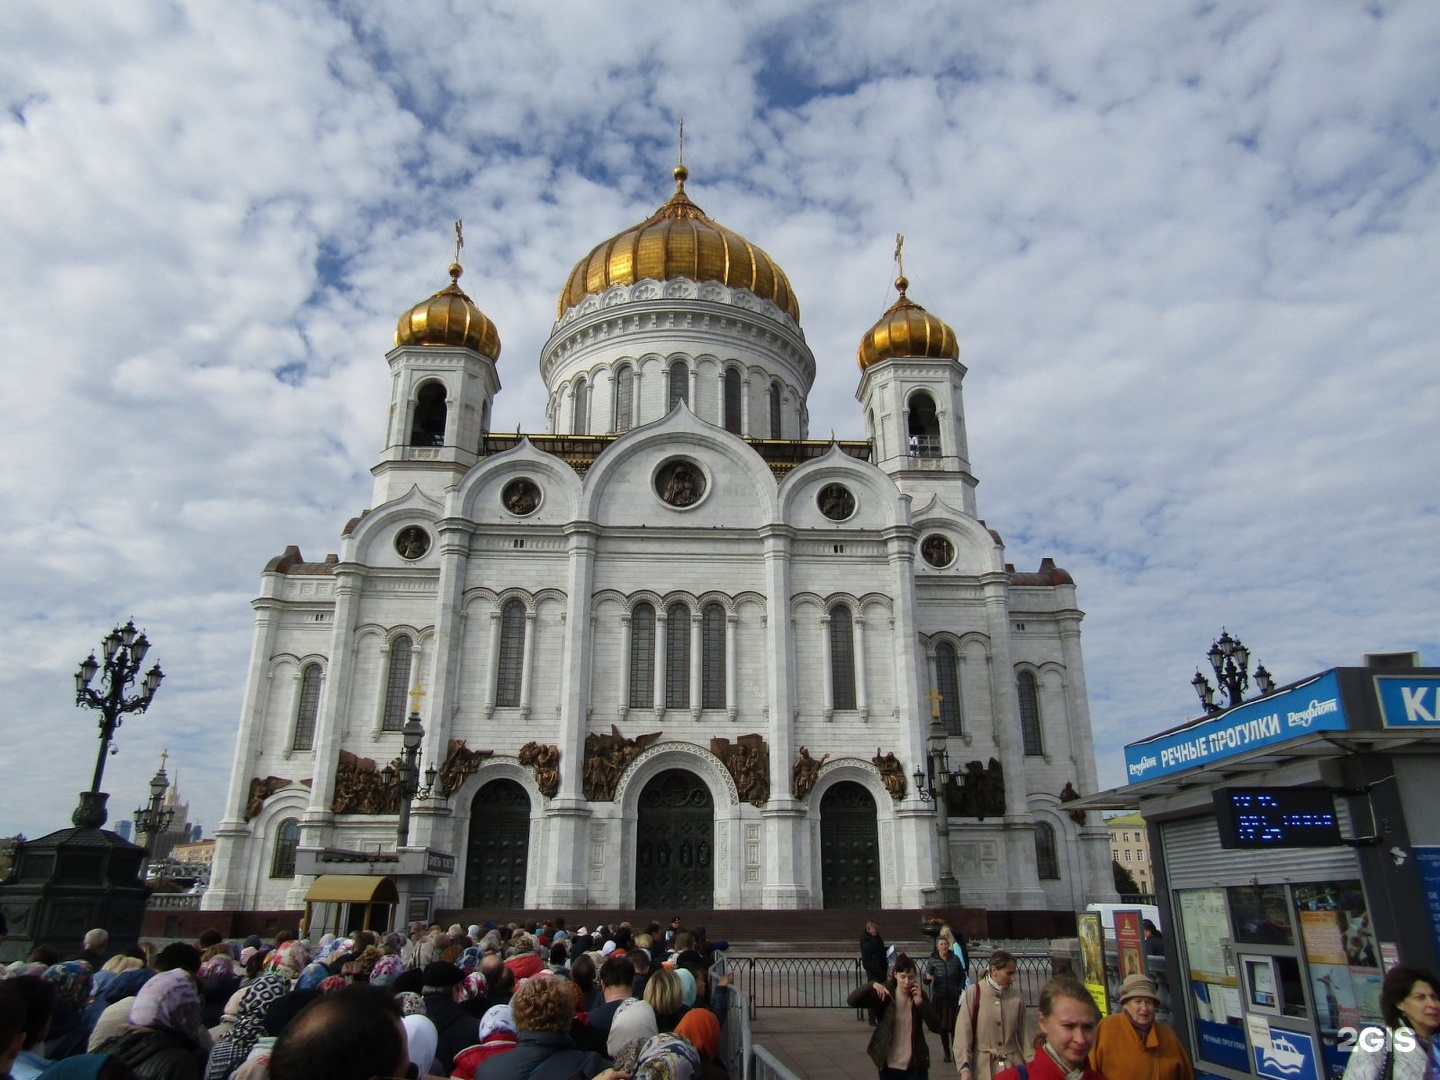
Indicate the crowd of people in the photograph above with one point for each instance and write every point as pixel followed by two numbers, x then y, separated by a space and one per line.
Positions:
pixel 475 1003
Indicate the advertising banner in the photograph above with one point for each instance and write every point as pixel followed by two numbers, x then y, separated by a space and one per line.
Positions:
pixel 1409 701
pixel 1276 718
pixel 1092 958
pixel 1129 942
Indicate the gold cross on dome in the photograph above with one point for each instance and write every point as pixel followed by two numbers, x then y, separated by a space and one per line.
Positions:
pixel 900 254
pixel 459 238
pixel 415 696
pixel 682 141
pixel 164 757
pixel 934 698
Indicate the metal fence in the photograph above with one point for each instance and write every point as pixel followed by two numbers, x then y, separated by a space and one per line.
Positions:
pixel 743 1058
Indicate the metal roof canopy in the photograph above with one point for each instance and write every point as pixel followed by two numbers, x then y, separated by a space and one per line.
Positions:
pixel 352 889
pixel 1320 744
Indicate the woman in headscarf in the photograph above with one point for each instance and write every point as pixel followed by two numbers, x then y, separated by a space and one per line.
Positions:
pixel 410 1003
pixel 234 1046
pixel 666 1056
pixel 386 970
pixel 68 1031
pixel 159 1042
pixel 422 1039
pixel 497 1035
pixel 277 1017
pixel 687 986
pixel 702 1028
pixel 635 1019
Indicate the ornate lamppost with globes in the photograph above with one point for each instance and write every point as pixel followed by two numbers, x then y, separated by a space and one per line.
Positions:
pixel 932 785
pixel 411 736
pixel 124 650
pixel 1230 660
pixel 152 820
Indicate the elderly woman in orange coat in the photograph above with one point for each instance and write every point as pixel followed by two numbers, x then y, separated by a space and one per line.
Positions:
pixel 1133 1045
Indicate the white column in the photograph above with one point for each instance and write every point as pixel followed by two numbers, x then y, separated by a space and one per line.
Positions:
pixel 827 688
pixel 662 630
pixel 745 408
pixel 732 703
pixel 492 664
pixel 694 388
pixel 862 699
pixel 786 826
pixel 695 658
pixel 626 644
pixel 527 665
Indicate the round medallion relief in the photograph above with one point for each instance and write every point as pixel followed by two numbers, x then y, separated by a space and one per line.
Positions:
pixel 937 550
pixel 680 482
pixel 412 542
pixel 836 502
pixel 521 497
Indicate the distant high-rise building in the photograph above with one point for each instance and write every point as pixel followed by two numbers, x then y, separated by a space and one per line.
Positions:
pixel 122 830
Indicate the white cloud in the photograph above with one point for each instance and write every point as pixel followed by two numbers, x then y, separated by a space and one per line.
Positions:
pixel 1189 256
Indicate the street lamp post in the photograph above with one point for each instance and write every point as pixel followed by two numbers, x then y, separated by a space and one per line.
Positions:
pixel 153 820
pixel 932 785
pixel 124 649
pixel 411 736
pixel 1230 660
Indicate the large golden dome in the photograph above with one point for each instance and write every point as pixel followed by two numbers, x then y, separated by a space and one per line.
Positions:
pixel 449 318
pixel 679 241
pixel 907 329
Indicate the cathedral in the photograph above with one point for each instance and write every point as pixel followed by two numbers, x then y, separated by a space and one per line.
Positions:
pixel 672 653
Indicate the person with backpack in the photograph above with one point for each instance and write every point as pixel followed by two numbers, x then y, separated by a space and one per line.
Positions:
pixel 990 1031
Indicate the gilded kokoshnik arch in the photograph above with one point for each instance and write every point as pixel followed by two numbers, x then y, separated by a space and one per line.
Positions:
pixel 673 557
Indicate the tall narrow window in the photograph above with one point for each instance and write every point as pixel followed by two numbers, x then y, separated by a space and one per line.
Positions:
pixel 309 708
pixel 712 657
pixel 732 401
pixel 1047 859
pixel 625 400
pixel 512 654
pixel 679 383
pixel 428 428
pixel 775 410
pixel 642 657
pixel 924 426
pixel 1030 730
pixel 582 408
pixel 287 839
pixel 397 685
pixel 842 657
pixel 947 675
pixel 677 657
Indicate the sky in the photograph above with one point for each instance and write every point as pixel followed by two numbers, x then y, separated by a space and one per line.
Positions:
pixel 1186 249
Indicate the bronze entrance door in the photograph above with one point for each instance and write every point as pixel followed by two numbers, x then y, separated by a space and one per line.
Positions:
pixel 675 845
pixel 849 848
pixel 499 850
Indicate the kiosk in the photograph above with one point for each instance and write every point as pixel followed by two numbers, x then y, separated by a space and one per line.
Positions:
pixel 1296 850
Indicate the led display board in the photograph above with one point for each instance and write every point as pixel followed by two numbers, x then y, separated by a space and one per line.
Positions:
pixel 1279 817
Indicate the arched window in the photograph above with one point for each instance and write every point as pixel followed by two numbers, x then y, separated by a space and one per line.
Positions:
pixel 625 400
pixel 842 657
pixel 924 426
pixel 484 423
pixel 732 401
pixel 948 676
pixel 309 708
pixel 512 654
pixel 428 428
pixel 1030 730
pixel 287 839
pixel 397 685
pixel 775 393
pixel 581 425
pixel 642 657
pixel 679 383
pixel 677 657
pixel 1047 859
pixel 712 657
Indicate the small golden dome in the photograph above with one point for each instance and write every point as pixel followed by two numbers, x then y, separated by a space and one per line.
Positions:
pixel 907 329
pixel 449 318
pixel 679 241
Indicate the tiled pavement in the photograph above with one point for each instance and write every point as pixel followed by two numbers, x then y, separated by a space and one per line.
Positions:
pixel 816 1043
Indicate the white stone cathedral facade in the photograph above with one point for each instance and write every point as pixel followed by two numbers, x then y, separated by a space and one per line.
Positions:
pixel 673 653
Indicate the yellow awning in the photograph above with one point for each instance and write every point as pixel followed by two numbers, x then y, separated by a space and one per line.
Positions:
pixel 352 889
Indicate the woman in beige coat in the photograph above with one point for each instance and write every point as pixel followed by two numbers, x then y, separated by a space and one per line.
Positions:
pixel 991 1033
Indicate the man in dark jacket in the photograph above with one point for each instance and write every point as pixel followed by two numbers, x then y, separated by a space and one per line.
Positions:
pixel 351 1034
pixel 897 1045
pixel 456 1028
pixel 873 960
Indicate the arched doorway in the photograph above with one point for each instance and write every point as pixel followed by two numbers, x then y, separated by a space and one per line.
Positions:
pixel 498 853
pixel 674 844
pixel 849 848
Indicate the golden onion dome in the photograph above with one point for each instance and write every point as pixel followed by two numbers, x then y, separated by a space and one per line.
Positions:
pixel 907 329
pixel 679 241
pixel 449 318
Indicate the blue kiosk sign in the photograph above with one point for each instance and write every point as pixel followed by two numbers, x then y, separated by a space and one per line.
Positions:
pixel 1311 706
